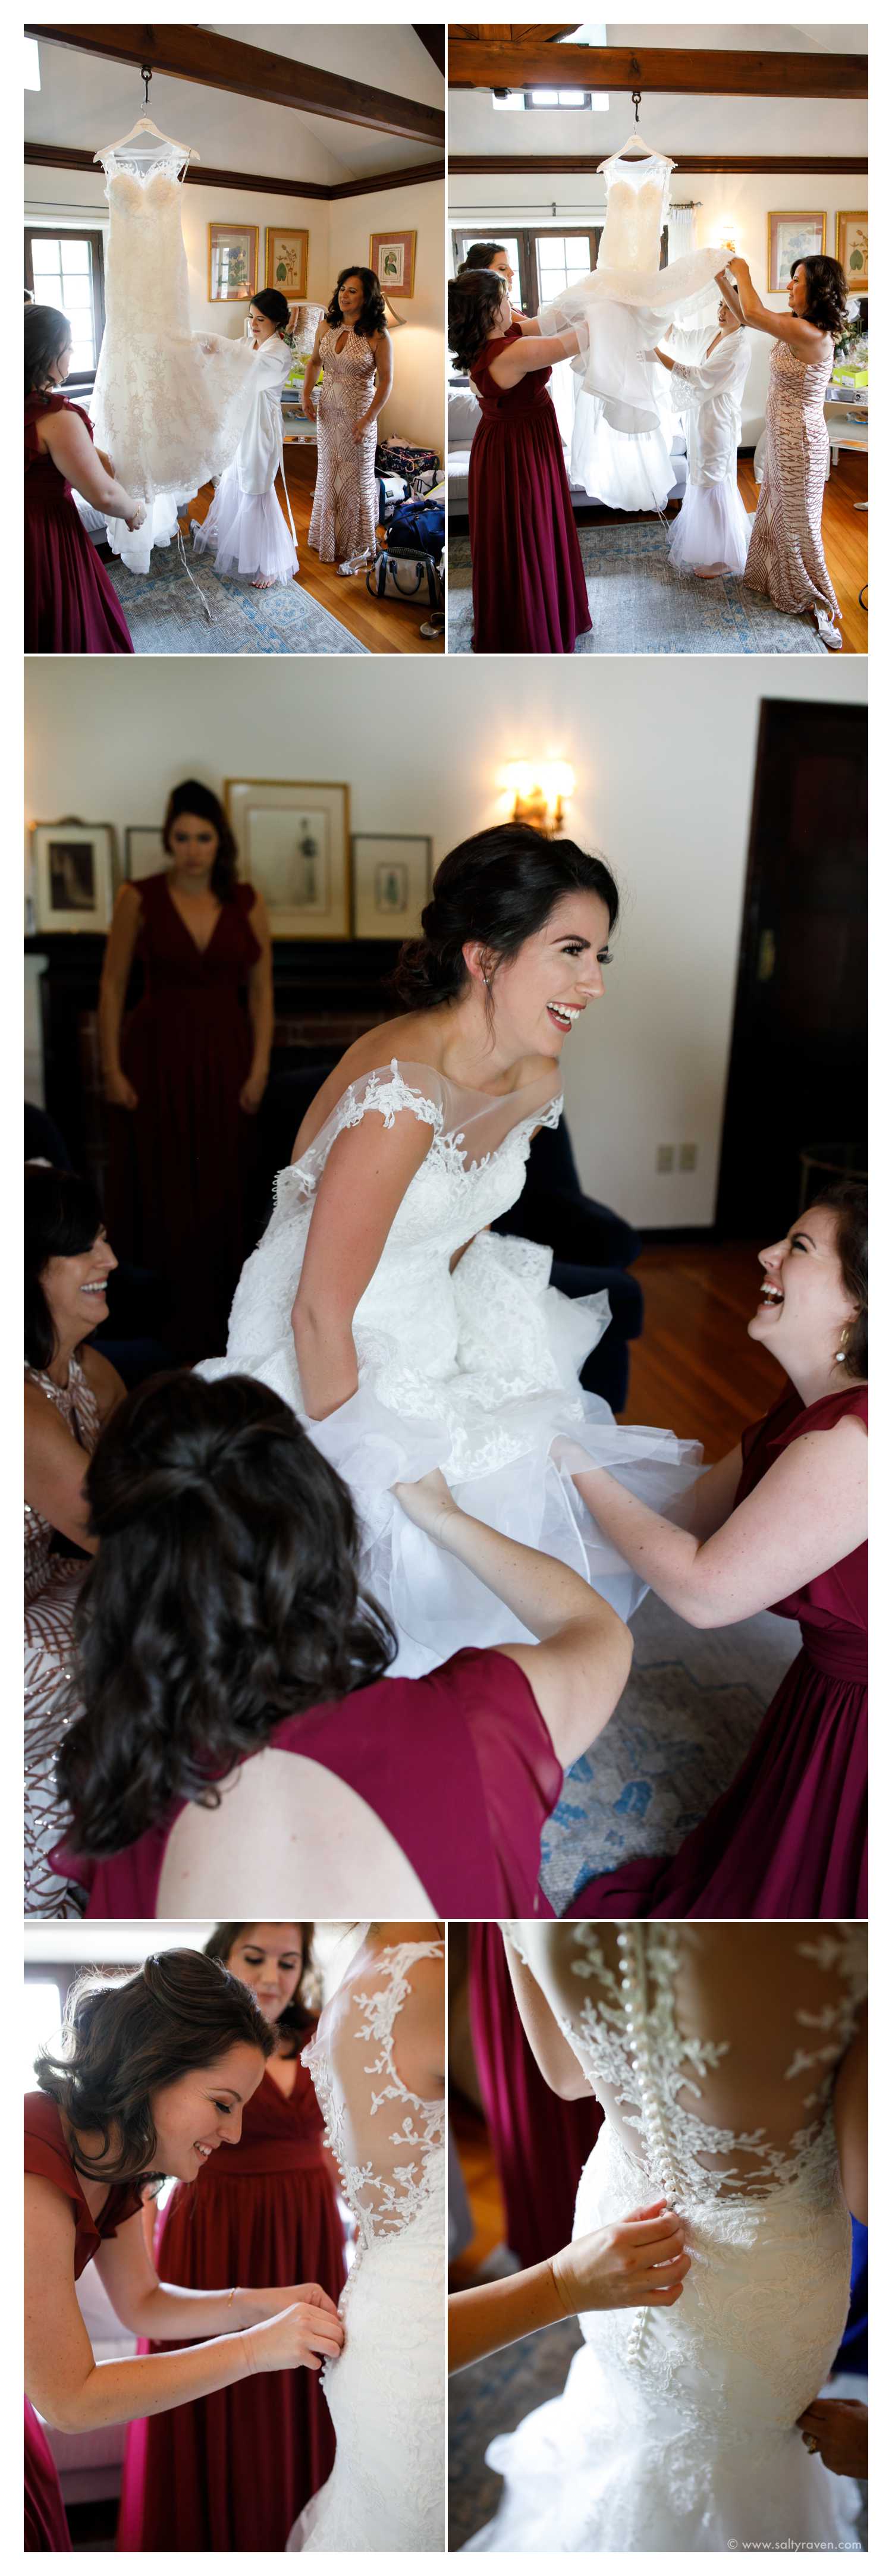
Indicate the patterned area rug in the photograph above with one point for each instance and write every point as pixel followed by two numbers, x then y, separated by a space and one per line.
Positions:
pixel 165 614
pixel 639 605
pixel 493 2398
pixel 691 1707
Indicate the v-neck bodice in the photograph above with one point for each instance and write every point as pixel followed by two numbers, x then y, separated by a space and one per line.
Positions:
pixel 170 954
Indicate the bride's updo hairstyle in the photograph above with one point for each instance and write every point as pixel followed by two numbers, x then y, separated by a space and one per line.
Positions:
pixel 473 302
pixel 223 1598
pixel 498 888
pixel 274 307
pixel 123 2040
pixel 191 798
pixel 827 293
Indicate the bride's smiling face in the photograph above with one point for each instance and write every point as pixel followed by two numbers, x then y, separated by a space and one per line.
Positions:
pixel 539 995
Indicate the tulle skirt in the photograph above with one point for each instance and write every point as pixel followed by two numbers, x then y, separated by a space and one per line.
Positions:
pixel 247 533
pixel 623 312
pixel 712 528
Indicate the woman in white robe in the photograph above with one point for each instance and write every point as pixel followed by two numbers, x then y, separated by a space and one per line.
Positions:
pixel 712 531
pixel 244 528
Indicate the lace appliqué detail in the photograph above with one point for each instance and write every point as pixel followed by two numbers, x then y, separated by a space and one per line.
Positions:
pixel 384 2194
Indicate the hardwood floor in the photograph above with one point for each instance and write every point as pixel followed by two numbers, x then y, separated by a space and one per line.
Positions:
pixel 695 1370
pixel 385 625
pixel 845 538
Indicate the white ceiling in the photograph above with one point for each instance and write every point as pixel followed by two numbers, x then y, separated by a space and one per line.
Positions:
pixel 85 102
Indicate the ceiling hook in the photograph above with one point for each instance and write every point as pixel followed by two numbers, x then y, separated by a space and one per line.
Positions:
pixel 145 75
pixel 636 102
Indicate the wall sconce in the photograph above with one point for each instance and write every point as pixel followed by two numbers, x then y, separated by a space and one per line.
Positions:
pixel 540 793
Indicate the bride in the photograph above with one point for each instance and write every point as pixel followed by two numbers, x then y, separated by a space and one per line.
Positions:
pixel 730 2062
pixel 379 1304
pixel 377 2060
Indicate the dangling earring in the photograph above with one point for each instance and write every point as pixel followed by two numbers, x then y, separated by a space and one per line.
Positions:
pixel 841 1353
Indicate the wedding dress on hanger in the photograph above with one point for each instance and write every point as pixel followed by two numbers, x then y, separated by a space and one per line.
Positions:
pixel 713 2050
pixel 472 1367
pixel 169 404
pixel 385 2391
pixel 627 303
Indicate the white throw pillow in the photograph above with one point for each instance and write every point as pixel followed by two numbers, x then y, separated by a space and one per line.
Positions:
pixel 462 416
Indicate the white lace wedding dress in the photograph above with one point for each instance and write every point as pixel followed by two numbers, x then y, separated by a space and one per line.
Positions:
pixel 713 2050
pixel 386 2390
pixel 169 404
pixel 472 1368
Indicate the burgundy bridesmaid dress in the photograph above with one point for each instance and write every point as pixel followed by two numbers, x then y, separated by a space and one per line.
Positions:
pixel 540 2143
pixel 46 2153
pixel 70 604
pixel 526 567
pixel 178 1163
pixel 234 2470
pixel 459 1766
pixel 789 1838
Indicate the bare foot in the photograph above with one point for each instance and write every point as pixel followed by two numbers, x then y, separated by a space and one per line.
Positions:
pixel 263 581
pixel 703 572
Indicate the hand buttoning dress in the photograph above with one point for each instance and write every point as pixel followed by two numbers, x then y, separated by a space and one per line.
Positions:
pixel 386 2390
pixel 52 1584
pixel 474 1368
pixel 343 519
pixel 786 556
pixel 714 2058
pixel 169 404
pixel 244 527
pixel 712 526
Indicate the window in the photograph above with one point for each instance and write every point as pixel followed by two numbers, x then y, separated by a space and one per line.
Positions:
pixel 66 269
pixel 557 98
pixel 543 262
pixel 560 257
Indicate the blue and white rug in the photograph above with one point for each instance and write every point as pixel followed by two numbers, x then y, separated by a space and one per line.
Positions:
pixel 639 604
pixel 165 613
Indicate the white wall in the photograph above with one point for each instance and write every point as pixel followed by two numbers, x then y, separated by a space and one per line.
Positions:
pixel 64 196
pixel 663 752
pixel 417 405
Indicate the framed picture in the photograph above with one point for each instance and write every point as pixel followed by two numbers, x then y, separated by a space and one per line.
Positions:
pixel 391 883
pixel 232 263
pixel 73 875
pixel 392 256
pixel 144 851
pixel 792 237
pixel 851 251
pixel 286 262
pixel 293 837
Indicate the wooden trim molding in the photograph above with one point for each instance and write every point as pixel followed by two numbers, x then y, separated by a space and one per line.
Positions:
pixel 487 62
pixel 572 165
pixel 223 62
pixel 63 156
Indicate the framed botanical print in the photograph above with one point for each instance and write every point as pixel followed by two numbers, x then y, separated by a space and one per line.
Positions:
pixel 286 262
pixel 391 883
pixel 73 875
pixel 392 256
pixel 232 263
pixel 792 237
pixel 293 839
pixel 851 251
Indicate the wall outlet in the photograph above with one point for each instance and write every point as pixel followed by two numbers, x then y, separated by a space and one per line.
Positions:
pixel 665 1158
pixel 687 1158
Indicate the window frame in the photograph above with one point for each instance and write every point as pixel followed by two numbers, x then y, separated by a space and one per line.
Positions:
pixel 85 378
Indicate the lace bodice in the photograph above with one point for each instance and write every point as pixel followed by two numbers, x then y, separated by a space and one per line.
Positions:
pixel 637 200
pixel 712 2050
pixel 388 2142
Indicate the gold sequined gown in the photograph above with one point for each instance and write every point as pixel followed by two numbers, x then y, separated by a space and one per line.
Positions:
pixel 52 1584
pixel 786 555
pixel 343 520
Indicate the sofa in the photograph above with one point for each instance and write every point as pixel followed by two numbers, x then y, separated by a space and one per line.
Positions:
pixel 463 412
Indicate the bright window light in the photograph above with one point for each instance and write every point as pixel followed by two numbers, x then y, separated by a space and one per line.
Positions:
pixel 32 63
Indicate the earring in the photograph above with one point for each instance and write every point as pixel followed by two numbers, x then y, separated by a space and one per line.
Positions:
pixel 841 1353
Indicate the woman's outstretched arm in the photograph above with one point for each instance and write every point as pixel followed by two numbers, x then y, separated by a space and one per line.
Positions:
pixel 803 336
pixel 639 2263
pixel 74 455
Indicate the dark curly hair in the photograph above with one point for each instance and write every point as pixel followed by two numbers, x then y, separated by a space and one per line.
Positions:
pixel 847 1201
pixel 473 301
pixel 827 292
pixel 123 2040
pixel 499 888
pixel 224 1598
pixel 62 1217
pixel 297 2018
pixel 480 255
pixel 273 305
pixel 373 316
pixel 191 798
pixel 47 333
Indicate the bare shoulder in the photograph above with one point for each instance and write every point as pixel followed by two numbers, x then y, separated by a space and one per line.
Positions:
pixel 108 1388
pixel 283 1814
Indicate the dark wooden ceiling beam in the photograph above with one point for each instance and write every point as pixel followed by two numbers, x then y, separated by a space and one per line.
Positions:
pixel 572 165
pixel 222 62
pixel 434 41
pixel 700 72
pixel 69 156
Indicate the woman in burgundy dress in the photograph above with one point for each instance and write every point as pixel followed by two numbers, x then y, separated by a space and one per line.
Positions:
pixel 151 2079
pixel 780 1524
pixel 224 1634
pixel 234 2470
pixel 526 567
pixel 188 1072
pixel 70 604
